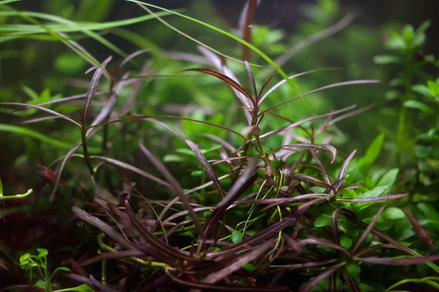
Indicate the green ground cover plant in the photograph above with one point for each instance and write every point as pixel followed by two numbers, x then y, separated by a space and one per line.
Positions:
pixel 237 187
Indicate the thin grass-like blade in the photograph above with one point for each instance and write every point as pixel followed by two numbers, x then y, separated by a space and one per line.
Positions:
pixel 350 281
pixel 94 85
pixel 334 226
pixel 174 184
pixel 33 134
pixel 153 240
pixel 319 241
pixel 104 227
pixel 61 168
pixel 321 277
pixel 277 85
pixel 238 263
pixel 52 112
pixel 133 169
pixel 305 265
pixel 368 229
pixel 344 167
pixel 311 39
pixel 305 121
pixel 353 218
pixel 232 83
pixel 373 199
pixel 400 261
pixel 339 84
pixel 216 61
pixel 256 50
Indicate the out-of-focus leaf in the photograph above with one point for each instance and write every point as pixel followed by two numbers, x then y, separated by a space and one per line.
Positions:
pixel 393 213
pixel 236 236
pixel 418 105
pixel 372 153
pixel 386 59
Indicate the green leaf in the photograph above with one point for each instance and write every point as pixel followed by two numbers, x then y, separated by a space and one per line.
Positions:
pixel 196 173
pixel 322 221
pixel 346 242
pixel 42 252
pixel 418 105
pixel 372 153
pixel 429 212
pixel 386 59
pixel 422 89
pixel 69 63
pixel 388 179
pixel 36 135
pixel 236 237
pixel 434 88
pixel 393 213
pixel 243 42
pixel 249 267
pixel 374 193
pixel 40 284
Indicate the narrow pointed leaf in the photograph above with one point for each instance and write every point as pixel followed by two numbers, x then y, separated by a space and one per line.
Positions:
pixel 368 229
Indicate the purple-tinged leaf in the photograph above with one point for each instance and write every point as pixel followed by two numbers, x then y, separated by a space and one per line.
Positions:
pixel 252 79
pixel 368 229
pixel 101 225
pixel 321 277
pixel 238 263
pixel 294 244
pixel 232 83
pixel 321 167
pixel 280 201
pixel 305 178
pixel 290 126
pixel 52 112
pixel 130 57
pixel 99 286
pixel 214 162
pixel 305 265
pixel 351 216
pixel 216 61
pixel 291 77
pixel 326 147
pixel 153 240
pixel 240 182
pixel 203 186
pixel 339 84
pixel 184 213
pixel 420 231
pixel 175 186
pixel 344 167
pixel 69 98
pixel 373 199
pixel 109 105
pixel 334 226
pixel 318 241
pixel 209 170
pixel 225 144
pixel 91 92
pixel 350 281
pixel 102 193
pixel 351 114
pixel 399 261
pixel 133 169
pixel 314 38
pixel 233 288
pixel 61 168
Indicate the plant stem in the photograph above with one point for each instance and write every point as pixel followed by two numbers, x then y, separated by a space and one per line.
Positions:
pixel 85 150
